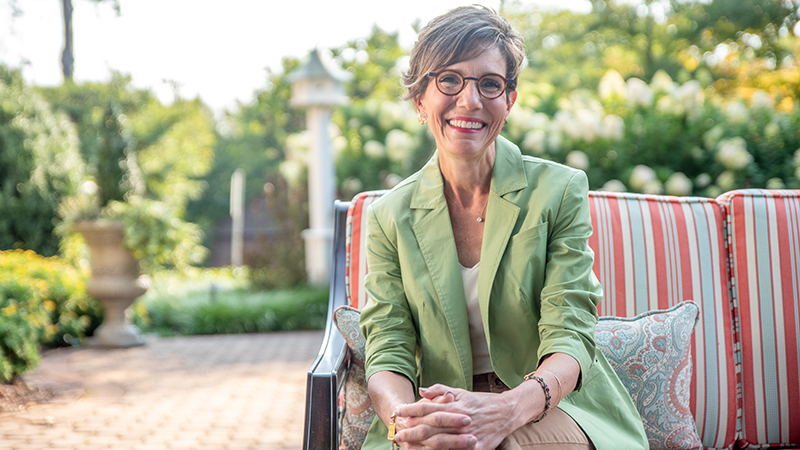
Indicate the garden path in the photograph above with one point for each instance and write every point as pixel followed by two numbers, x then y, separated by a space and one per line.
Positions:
pixel 226 392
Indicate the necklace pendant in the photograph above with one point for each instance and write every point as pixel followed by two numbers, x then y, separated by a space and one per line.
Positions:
pixel 480 219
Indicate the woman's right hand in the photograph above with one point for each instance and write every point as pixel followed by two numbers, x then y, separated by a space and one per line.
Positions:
pixel 436 430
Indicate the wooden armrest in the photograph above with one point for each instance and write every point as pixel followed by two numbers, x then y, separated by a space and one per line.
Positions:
pixel 327 372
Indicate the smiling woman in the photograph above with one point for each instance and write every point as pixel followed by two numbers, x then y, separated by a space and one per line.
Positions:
pixel 460 316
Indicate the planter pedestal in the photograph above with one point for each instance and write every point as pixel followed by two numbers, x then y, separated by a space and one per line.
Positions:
pixel 115 282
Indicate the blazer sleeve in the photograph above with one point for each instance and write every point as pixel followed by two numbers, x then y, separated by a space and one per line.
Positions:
pixel 386 320
pixel 571 291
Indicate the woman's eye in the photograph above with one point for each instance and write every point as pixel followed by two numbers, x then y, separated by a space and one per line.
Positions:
pixel 450 80
pixel 490 84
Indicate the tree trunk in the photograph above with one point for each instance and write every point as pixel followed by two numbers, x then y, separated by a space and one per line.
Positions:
pixel 67 58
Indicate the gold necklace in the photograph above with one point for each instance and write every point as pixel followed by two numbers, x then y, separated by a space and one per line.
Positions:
pixel 483 210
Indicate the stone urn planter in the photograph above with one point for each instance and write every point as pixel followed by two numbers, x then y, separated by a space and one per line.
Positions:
pixel 115 282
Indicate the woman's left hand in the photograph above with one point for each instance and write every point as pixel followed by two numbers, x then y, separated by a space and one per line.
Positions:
pixel 490 413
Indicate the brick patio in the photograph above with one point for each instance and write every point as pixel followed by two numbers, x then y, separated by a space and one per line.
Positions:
pixel 226 392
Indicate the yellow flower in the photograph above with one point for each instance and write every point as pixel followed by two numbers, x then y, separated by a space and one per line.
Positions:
pixel 10 310
pixel 50 305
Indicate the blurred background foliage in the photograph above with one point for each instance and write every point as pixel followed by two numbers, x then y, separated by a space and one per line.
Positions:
pixel 681 97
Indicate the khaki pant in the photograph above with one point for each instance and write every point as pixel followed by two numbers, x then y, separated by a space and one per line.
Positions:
pixel 556 431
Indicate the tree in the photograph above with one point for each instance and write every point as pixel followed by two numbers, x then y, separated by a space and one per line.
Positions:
pixel 67 55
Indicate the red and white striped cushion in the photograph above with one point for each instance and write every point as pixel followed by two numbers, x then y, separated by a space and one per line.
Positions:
pixel 764 240
pixel 655 252
pixel 356 233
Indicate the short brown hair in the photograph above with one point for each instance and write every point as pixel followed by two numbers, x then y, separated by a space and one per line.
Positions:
pixel 460 35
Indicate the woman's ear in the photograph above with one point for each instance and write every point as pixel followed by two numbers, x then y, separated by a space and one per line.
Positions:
pixel 512 98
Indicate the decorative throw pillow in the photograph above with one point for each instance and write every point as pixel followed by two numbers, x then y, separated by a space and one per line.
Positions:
pixel 651 354
pixel 355 408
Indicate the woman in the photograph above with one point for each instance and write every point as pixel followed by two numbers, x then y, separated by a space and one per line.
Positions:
pixel 481 293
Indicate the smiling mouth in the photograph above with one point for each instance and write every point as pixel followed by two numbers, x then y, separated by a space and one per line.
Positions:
pixel 466 124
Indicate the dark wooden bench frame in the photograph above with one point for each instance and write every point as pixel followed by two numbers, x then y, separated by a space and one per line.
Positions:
pixel 327 372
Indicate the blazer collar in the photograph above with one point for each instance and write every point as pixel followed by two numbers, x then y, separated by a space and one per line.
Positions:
pixel 508 175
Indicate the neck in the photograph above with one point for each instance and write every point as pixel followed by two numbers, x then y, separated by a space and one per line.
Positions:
pixel 467 180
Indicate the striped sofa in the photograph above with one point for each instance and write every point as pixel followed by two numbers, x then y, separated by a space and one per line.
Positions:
pixel 736 256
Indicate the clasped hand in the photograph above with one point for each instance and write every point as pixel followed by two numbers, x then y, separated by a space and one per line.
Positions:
pixel 450 418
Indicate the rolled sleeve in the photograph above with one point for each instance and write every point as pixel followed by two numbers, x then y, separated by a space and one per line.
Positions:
pixel 386 320
pixel 571 291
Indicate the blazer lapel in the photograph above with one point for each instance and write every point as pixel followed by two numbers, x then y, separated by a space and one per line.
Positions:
pixel 508 175
pixel 434 235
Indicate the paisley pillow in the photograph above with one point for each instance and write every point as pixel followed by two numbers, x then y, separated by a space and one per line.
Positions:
pixel 651 354
pixel 355 408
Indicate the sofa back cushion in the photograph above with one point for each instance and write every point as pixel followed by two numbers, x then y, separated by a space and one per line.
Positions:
pixel 356 230
pixel 764 239
pixel 653 252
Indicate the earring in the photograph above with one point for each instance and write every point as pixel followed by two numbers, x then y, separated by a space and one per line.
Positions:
pixel 422 118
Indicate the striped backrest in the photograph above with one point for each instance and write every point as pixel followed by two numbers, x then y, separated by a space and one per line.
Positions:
pixel 652 252
pixel 356 233
pixel 764 240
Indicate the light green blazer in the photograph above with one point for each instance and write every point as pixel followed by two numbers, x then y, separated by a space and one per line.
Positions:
pixel 536 290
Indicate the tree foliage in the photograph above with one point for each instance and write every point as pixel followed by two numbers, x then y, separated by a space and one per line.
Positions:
pixel 40 164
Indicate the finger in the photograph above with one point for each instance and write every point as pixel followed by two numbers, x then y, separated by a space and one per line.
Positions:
pixel 423 408
pixel 440 420
pixel 434 391
pixel 450 441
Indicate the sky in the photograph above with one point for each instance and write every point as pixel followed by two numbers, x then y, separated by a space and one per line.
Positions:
pixel 220 51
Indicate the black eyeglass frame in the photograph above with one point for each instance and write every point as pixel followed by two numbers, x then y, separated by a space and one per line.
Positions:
pixel 508 85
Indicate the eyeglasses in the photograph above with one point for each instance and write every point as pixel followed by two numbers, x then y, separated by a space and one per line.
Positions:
pixel 490 86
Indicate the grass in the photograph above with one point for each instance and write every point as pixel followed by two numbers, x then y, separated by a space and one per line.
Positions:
pixel 222 301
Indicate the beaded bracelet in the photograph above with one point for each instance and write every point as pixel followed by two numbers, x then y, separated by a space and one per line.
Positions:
pixel 533 376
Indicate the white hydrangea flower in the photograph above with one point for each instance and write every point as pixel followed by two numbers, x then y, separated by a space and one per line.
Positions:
pixel 733 154
pixel 568 124
pixel 775 183
pixel 726 180
pixel 662 82
pixel 352 184
pixel 391 114
pixel 772 131
pixel 613 127
pixel 670 106
pixel 761 99
pixel 391 180
pixel 588 124
pixel 702 180
pixel 520 120
pixel 399 144
pixel 737 113
pixel 640 176
pixel 578 160
pixel 540 121
pixel 554 141
pixel 638 93
pixel 611 85
pixel 653 187
pixel 534 142
pixel 374 149
pixel 691 96
pixel 614 186
pixel 678 184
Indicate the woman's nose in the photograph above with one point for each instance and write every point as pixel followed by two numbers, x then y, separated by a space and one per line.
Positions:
pixel 470 97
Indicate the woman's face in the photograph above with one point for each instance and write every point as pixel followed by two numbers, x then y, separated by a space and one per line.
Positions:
pixel 467 123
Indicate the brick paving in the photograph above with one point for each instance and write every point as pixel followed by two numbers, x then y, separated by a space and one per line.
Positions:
pixel 224 392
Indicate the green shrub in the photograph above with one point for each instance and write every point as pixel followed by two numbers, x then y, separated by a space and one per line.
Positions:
pixel 39 165
pixel 219 302
pixel 43 302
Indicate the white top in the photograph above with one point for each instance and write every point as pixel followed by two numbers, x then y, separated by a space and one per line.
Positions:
pixel 481 362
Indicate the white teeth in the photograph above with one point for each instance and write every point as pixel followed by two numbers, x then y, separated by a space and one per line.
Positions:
pixel 466 124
